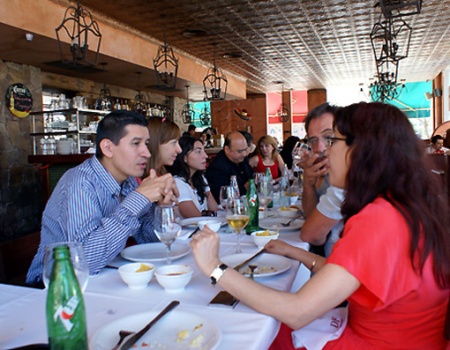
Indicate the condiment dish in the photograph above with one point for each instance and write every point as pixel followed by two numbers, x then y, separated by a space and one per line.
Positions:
pixel 261 238
pixel 137 275
pixel 173 278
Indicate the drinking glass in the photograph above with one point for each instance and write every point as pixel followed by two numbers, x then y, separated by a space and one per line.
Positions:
pixel 300 152
pixel 265 192
pixel 167 227
pixel 79 262
pixel 237 217
pixel 258 177
pixel 226 193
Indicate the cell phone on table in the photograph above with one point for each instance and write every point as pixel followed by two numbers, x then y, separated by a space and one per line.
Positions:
pixel 225 299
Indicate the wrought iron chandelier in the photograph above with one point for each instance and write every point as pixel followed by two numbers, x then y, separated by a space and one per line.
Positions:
pixel 104 101
pixel 140 103
pixel 77 27
pixel 165 65
pixel 215 82
pixel 400 8
pixel 205 116
pixel 283 111
pixel 187 114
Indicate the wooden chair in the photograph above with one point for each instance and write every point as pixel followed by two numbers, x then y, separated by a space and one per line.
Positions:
pixel 16 256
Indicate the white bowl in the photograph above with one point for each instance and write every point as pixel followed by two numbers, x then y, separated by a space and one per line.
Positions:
pixel 214 225
pixel 262 240
pixel 173 278
pixel 136 280
pixel 287 212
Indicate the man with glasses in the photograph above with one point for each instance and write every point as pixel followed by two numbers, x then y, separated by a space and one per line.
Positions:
pixel 321 202
pixel 232 160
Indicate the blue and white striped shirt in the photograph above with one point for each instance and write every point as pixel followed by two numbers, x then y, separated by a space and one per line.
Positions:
pixel 85 207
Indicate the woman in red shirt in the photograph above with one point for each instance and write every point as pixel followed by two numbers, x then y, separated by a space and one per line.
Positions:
pixel 267 156
pixel 392 263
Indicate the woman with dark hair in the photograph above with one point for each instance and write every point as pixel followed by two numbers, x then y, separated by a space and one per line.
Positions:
pixel 286 152
pixel 163 145
pixel 267 156
pixel 392 262
pixel 188 169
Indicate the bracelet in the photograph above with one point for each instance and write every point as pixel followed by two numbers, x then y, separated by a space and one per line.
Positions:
pixel 217 273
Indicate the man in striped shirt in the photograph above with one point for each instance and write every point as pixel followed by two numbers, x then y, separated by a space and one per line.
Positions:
pixel 99 202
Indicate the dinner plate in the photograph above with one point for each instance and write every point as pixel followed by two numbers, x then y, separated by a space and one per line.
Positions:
pixel 193 222
pixel 154 252
pixel 273 264
pixel 201 332
pixel 275 223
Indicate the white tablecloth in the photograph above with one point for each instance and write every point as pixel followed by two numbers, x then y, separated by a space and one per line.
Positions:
pixel 107 298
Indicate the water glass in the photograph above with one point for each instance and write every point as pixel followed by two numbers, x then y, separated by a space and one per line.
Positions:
pixel 79 262
pixel 167 226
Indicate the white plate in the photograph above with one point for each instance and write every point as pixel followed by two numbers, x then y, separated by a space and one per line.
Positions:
pixel 163 335
pixel 279 263
pixel 275 223
pixel 154 252
pixel 193 222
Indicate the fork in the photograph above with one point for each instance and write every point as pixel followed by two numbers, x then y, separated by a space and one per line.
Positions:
pixel 285 224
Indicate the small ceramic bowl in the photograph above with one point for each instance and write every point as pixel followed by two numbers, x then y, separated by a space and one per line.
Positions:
pixel 261 238
pixel 287 212
pixel 214 225
pixel 173 278
pixel 136 275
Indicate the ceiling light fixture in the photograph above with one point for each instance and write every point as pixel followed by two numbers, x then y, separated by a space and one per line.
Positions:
pixel 205 116
pixel 399 8
pixel 104 101
pixel 165 64
pixel 187 114
pixel 215 82
pixel 283 111
pixel 75 29
pixel 140 104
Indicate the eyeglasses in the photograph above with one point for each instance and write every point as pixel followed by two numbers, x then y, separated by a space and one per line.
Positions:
pixel 327 140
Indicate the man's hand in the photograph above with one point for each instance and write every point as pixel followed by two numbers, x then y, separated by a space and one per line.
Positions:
pixel 159 189
pixel 312 171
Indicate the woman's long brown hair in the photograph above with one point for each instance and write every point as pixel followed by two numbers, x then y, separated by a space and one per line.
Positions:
pixel 161 130
pixel 387 159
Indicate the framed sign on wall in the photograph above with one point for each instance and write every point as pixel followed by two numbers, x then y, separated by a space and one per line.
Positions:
pixel 19 100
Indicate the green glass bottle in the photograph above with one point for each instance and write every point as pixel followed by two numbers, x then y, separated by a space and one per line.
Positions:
pixel 268 175
pixel 253 208
pixel 66 316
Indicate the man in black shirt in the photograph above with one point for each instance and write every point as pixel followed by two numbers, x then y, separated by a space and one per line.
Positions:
pixel 232 160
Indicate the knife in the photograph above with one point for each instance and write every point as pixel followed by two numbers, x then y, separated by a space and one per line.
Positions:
pixel 132 338
pixel 241 265
pixel 194 232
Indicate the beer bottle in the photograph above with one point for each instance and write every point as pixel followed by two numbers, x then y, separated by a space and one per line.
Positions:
pixel 66 316
pixel 253 208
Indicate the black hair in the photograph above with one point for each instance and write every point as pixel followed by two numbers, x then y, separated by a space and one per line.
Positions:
pixel 318 111
pixel 248 137
pixel 181 169
pixel 112 127
pixel 435 138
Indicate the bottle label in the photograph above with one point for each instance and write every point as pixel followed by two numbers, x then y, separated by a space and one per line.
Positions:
pixel 65 313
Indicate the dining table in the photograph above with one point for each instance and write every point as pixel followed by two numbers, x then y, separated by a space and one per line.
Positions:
pixel 108 299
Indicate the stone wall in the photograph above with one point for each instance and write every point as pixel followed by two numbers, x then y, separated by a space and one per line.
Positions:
pixel 21 185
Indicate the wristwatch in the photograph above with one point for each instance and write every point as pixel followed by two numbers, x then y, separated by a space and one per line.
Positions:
pixel 217 273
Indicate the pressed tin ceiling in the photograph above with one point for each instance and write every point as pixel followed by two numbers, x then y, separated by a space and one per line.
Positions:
pixel 307 44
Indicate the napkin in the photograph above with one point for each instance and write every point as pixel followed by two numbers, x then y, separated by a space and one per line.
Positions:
pixel 328 327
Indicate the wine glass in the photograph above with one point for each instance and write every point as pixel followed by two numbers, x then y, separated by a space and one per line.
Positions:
pixel 258 177
pixel 300 152
pixel 167 227
pixel 78 258
pixel 237 217
pixel 265 192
